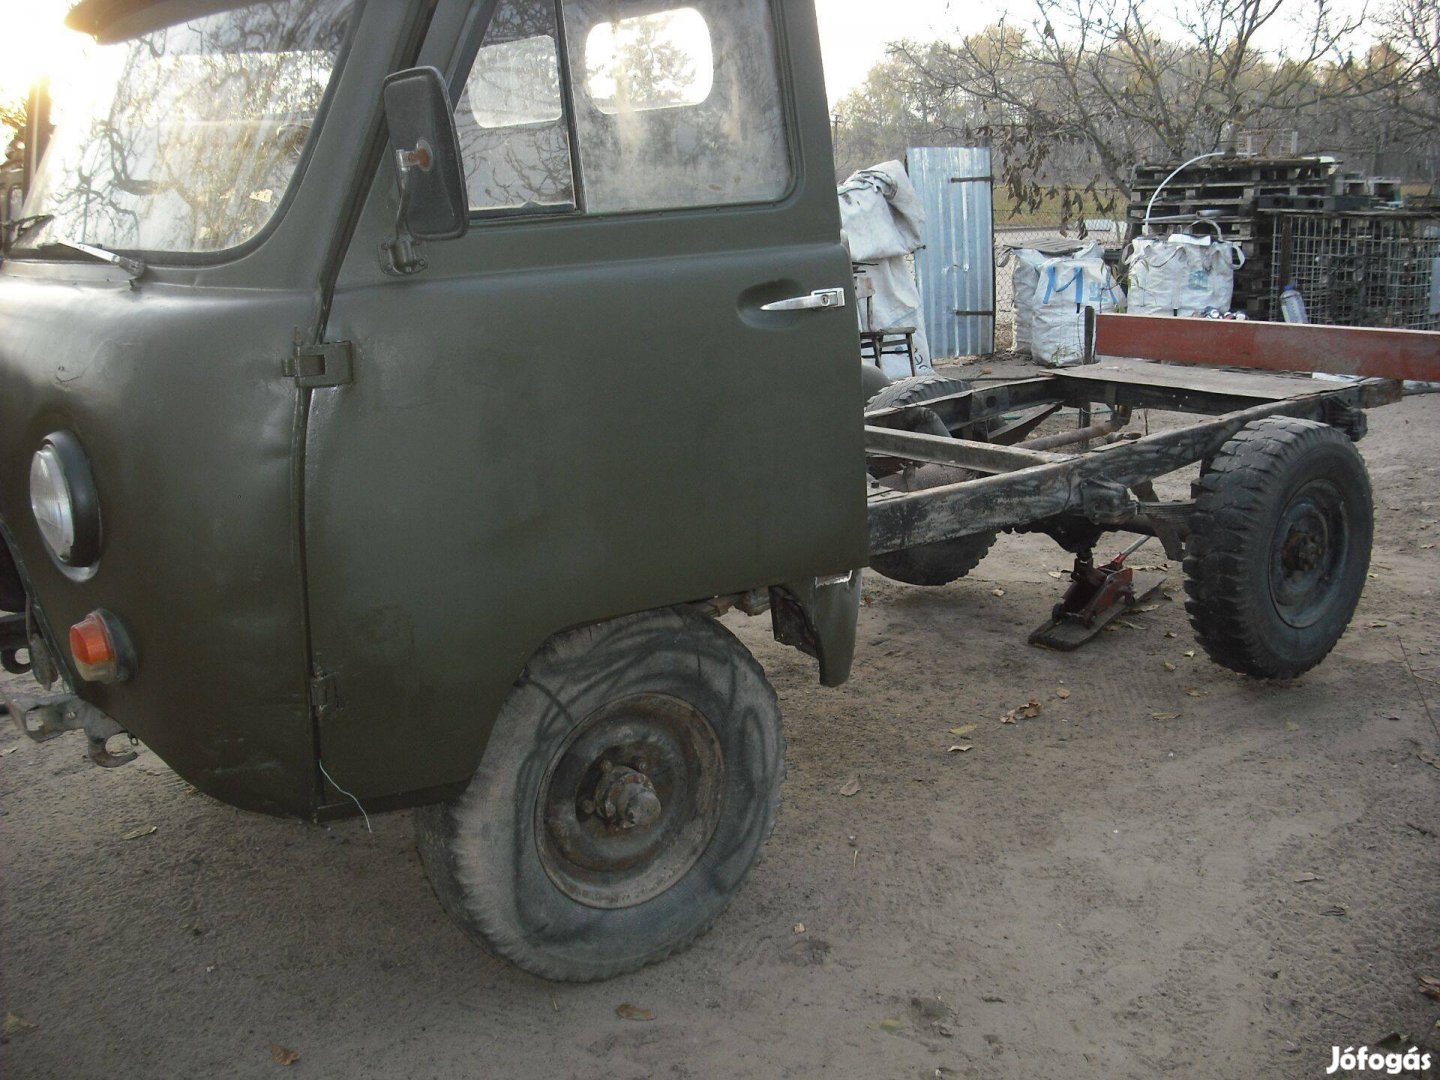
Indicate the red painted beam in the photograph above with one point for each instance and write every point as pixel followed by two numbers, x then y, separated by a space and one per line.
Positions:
pixel 1337 350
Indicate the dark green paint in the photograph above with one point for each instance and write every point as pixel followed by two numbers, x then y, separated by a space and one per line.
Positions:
pixel 560 421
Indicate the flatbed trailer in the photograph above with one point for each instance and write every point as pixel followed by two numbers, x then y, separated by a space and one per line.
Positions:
pixel 1275 541
pixel 1016 487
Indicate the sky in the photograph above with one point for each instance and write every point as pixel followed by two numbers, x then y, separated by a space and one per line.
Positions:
pixel 853 33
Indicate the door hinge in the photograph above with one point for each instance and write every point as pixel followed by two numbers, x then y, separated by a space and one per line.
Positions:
pixel 330 363
pixel 324 694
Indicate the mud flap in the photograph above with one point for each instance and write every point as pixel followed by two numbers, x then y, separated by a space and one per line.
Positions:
pixel 818 616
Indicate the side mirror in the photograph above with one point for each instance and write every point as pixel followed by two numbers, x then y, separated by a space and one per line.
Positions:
pixel 434 202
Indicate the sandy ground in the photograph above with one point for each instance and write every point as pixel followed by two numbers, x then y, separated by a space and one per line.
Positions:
pixel 1095 892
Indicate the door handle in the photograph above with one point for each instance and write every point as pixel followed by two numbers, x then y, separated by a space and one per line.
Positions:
pixel 820 298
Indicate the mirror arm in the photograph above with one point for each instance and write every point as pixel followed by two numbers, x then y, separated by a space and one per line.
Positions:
pixel 400 256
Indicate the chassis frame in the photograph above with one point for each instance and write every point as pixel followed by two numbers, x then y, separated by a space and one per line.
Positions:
pixel 1075 496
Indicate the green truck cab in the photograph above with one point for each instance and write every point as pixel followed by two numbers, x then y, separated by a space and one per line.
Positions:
pixel 362 451
pixel 393 393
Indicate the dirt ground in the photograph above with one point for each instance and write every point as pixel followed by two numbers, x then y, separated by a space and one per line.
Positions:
pixel 1168 872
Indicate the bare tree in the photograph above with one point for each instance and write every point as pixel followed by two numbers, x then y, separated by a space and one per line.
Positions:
pixel 1104 80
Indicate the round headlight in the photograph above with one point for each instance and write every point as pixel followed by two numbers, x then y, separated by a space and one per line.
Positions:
pixel 63 500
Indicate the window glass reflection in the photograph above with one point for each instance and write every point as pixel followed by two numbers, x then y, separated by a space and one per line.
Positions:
pixel 186 137
pixel 511 117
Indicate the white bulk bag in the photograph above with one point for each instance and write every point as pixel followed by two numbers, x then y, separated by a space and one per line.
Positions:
pixel 1182 275
pixel 1026 276
pixel 1066 287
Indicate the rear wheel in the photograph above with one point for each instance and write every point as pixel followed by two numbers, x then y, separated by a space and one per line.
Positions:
pixel 918 389
pixel 949 560
pixel 938 563
pixel 629 786
pixel 1279 547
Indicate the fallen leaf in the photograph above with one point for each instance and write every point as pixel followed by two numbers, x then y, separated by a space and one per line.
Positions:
pixel 1128 625
pixel 987 370
pixel 1028 711
pixel 1335 909
pixel 1192 691
pixel 1147 607
pixel 961 748
pixel 893 1024
pixel 997 592
pixel 1303 878
pixel 1169 666
pixel 1062 693
pixel 144 830
pixel 1056 574
pixel 627 1011
pixel 283 1055
pixel 851 787
pixel 1190 652
pixel 1429 759
pixel 15 1025
pixel 1170 633
pixel 1291 725
pixel 799 928
pixel 1377 625
pixel 8 750
pixel 1164 716
pixel 1429 986
pixel 963 729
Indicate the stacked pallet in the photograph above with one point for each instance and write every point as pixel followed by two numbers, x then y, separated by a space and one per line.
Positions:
pixel 1233 192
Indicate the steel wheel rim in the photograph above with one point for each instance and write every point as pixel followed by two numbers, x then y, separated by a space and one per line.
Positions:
pixel 630 801
pixel 1310 549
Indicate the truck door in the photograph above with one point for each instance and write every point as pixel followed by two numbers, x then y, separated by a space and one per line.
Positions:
pixel 582 408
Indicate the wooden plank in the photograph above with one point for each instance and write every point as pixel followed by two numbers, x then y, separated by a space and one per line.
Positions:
pixel 1338 350
pixel 1131 372
pixel 978 456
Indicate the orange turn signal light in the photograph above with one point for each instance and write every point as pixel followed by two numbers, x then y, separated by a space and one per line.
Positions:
pixel 98 644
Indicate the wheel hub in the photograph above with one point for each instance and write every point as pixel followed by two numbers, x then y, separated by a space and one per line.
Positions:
pixel 630 801
pixel 1309 550
pixel 625 798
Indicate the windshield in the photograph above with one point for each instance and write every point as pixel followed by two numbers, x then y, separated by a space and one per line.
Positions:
pixel 185 137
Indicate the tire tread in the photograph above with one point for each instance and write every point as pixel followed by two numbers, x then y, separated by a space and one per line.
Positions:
pixel 1233 492
pixel 435 832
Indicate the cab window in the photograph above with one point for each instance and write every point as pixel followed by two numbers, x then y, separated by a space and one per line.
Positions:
pixel 511 114
pixel 677 105
pixel 669 105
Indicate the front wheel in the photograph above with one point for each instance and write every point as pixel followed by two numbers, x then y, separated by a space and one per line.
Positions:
pixel 1279 547
pixel 629 786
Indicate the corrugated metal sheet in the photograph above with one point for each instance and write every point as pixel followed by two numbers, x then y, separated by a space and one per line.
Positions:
pixel 956 268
